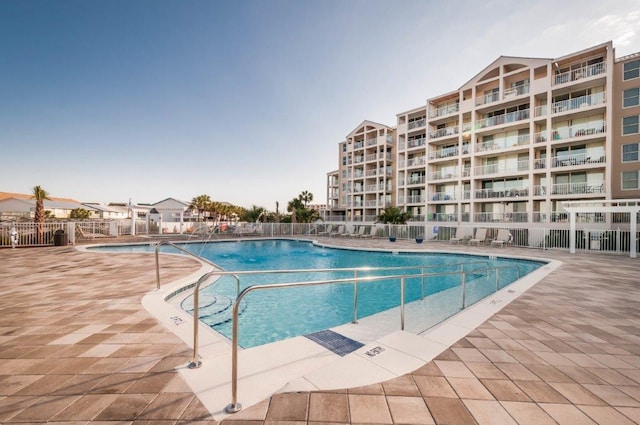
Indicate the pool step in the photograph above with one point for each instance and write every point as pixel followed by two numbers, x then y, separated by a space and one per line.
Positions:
pixel 214 309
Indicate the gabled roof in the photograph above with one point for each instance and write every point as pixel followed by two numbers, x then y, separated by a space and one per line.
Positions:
pixel 366 123
pixel 186 204
pixel 494 67
pixel 6 195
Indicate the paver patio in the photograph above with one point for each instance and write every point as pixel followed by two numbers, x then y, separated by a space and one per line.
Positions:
pixel 76 347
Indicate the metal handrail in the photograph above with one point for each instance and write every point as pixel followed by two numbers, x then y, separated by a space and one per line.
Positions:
pixel 196 362
pixel 234 406
pixel 157 249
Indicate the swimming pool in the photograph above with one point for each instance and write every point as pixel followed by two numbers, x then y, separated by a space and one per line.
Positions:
pixel 273 315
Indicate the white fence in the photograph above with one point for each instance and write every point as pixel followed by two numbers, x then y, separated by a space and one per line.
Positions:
pixel 587 239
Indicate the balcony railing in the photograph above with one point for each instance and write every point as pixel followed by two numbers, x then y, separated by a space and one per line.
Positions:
pixel 443 196
pixel 415 199
pixel 504 142
pixel 443 132
pixel 372 141
pixel 443 175
pixel 539 164
pixel 414 143
pixel 483 170
pixel 417 123
pixel 421 160
pixel 416 180
pixel 487 98
pixel 516 91
pixel 441 111
pixel 501 193
pixel 579 102
pixel 488 217
pixel 444 153
pixel 579 74
pixel 578 188
pixel 577 159
pixel 561 133
pixel 358 145
pixel 540 110
pixel 540 137
pixel 503 119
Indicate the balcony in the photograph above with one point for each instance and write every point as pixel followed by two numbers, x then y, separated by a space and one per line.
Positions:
pixel 579 74
pixel 563 133
pixel 358 145
pixel 578 188
pixel 501 193
pixel 487 99
pixel 417 161
pixel 576 160
pixel 443 132
pixel 372 141
pixel 504 143
pixel 512 92
pixel 488 217
pixel 540 164
pixel 415 180
pixel 414 143
pixel 417 123
pixel 540 111
pixel 443 175
pixel 443 196
pixel 503 119
pixel 415 199
pixel 444 153
pixel 441 111
pixel 540 137
pixel 519 166
pixel 579 102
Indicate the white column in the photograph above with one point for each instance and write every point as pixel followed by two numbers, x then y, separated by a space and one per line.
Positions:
pixel 572 232
pixel 634 232
pixel 181 221
pixel 133 222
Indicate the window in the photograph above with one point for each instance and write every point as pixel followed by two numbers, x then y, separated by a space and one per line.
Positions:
pixel 630 152
pixel 631 97
pixel 629 180
pixel 631 70
pixel 630 125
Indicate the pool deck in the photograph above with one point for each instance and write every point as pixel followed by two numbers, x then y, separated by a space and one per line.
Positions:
pixel 77 347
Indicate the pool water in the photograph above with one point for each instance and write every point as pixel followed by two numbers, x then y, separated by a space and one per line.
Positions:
pixel 277 314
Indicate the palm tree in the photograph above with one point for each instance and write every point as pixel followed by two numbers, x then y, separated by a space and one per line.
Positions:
pixel 305 197
pixel 200 203
pixel 293 206
pixel 394 215
pixel 39 194
pixel 253 214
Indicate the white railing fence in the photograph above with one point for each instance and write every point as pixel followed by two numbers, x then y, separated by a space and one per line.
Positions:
pixel 601 239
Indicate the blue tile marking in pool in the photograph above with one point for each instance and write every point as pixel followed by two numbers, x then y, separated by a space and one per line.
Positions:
pixel 339 344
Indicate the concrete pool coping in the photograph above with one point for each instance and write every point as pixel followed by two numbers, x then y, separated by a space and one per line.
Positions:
pixel 299 364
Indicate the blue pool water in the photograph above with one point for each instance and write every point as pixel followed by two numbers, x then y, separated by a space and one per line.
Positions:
pixel 273 315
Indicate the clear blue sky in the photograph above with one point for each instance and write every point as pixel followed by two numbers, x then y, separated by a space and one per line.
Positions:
pixel 246 101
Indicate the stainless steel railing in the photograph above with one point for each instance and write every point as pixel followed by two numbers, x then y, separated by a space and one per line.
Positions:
pixel 234 406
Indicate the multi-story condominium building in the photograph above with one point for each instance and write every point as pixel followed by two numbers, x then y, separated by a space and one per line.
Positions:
pixel 626 128
pixel 510 145
pixel 363 185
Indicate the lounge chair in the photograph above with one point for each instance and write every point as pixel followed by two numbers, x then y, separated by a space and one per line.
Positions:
pixel 349 232
pixel 373 231
pixel 327 231
pixel 360 232
pixel 503 238
pixel 462 235
pixel 337 232
pixel 480 237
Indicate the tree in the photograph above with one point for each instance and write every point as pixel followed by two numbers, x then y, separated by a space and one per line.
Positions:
pixel 394 215
pixel 200 203
pixel 80 213
pixel 293 206
pixel 40 195
pixel 253 214
pixel 305 197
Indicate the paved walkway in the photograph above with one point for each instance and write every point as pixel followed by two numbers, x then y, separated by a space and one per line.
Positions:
pixel 76 347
